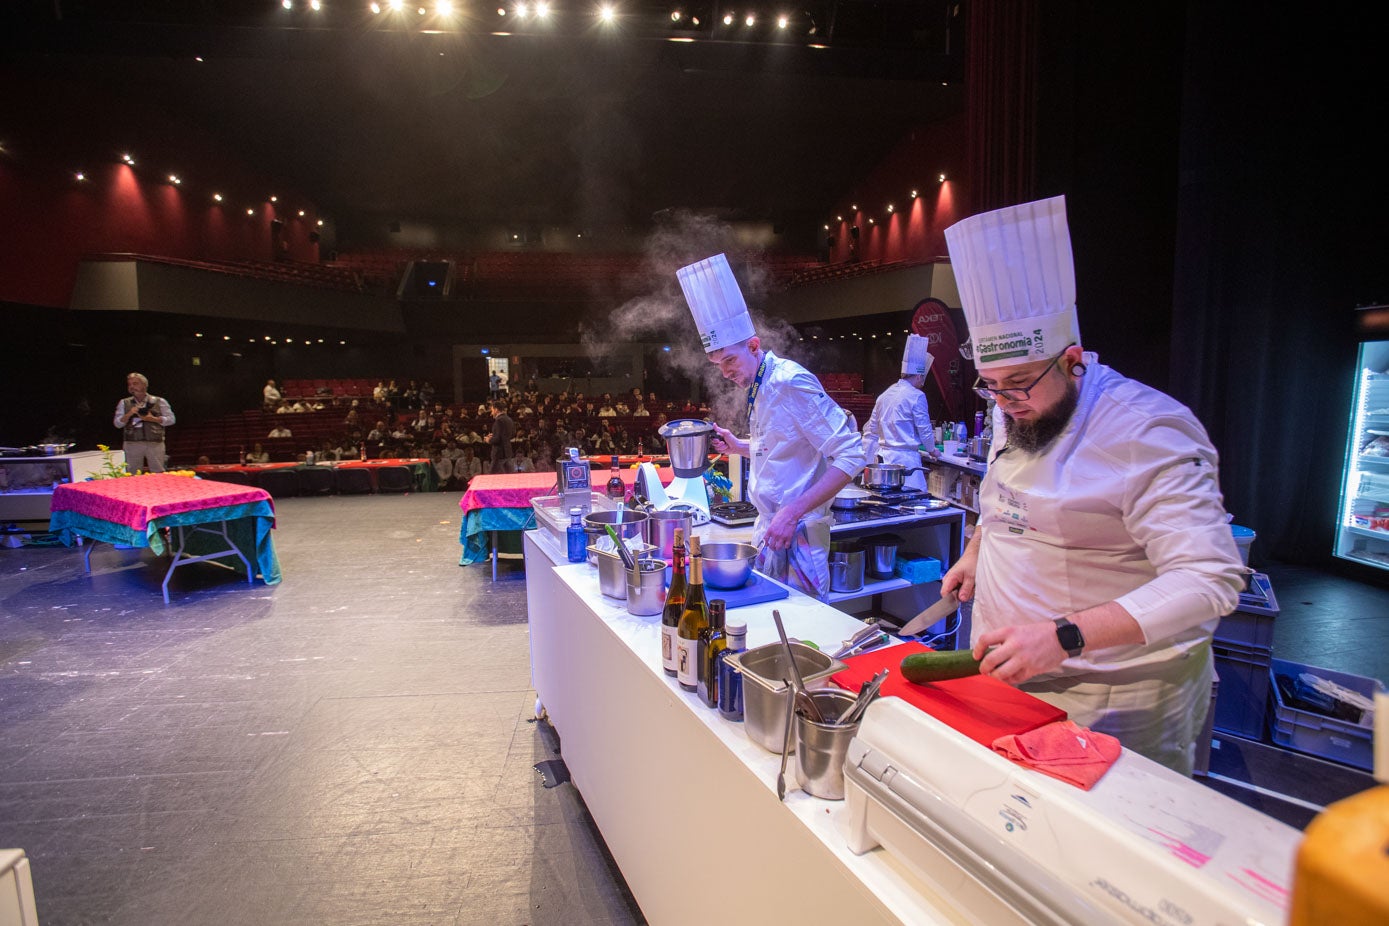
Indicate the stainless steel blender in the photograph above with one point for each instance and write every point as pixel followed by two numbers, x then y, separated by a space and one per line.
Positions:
pixel 687 443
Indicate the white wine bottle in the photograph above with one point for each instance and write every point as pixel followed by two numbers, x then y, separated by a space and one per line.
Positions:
pixel 693 619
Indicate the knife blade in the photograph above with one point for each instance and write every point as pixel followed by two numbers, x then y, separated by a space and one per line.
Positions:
pixel 926 618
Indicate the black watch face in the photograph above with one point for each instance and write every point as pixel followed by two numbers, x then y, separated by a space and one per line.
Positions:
pixel 1070 637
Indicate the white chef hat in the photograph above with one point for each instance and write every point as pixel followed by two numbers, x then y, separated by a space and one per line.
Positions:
pixel 1017 284
pixel 716 303
pixel 916 359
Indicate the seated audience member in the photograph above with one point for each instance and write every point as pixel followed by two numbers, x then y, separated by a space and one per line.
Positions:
pixel 378 393
pixel 443 468
pixel 257 455
pixel 466 467
pixel 378 433
pixel 298 408
pixel 640 411
pixel 622 410
pixel 352 419
pixel 284 408
pixel 524 463
pixel 280 430
pixel 399 433
pixel 270 396
pixel 314 405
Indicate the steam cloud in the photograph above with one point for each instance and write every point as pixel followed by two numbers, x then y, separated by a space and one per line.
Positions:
pixel 661 313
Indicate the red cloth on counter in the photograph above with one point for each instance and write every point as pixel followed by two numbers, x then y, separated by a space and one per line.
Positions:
pixel 1064 750
pixel 135 501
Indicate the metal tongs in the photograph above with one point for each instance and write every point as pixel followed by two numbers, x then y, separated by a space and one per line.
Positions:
pixel 866 694
pixel 798 689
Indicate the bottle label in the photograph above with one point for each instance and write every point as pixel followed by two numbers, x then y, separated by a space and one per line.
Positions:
pixel 687 662
pixel 668 644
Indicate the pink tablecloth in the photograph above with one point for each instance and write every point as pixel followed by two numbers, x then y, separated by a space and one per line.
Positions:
pixel 515 490
pixel 135 501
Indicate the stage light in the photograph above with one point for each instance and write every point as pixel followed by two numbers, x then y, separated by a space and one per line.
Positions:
pixel 173 178
pixel 198 58
pixel 853 207
pixel 913 194
pixel 316 5
pixel 607 13
pixel 320 223
pixel 287 4
pixel 522 11
pixel 250 212
pixel 728 19
pixel 751 20
pixel 128 159
pixel 676 16
pixel 79 176
pixel 301 213
pixel 872 221
pixel 501 11
pixel 274 198
pixel 397 5
pixel 942 178
pixel 890 208
pixel 542 9
pixel 781 22
pixel 375 9
pixel 839 218
pixel 444 8
pixel 216 197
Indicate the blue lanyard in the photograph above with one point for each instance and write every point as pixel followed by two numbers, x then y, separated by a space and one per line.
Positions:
pixel 756 385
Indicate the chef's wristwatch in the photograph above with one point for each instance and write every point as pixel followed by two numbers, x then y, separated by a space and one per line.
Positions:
pixel 1069 636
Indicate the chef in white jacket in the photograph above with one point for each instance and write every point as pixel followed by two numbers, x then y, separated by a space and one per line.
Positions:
pixel 1103 556
pixel 802 448
pixel 901 420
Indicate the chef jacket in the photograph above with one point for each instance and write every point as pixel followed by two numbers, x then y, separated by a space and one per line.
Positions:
pixel 899 425
pixel 796 432
pixel 1124 506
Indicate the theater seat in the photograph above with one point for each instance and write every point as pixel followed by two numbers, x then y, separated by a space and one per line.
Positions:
pixel 353 481
pixel 317 480
pixel 394 479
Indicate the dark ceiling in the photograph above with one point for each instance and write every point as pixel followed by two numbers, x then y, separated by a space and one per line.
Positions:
pixel 405 116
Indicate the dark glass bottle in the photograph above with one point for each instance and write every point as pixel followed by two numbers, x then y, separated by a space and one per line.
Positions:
pixel 730 681
pixel 711 643
pixel 675 603
pixel 693 619
pixel 616 488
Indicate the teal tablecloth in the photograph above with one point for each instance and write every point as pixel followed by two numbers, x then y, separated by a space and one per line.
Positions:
pixel 474 534
pixel 248 526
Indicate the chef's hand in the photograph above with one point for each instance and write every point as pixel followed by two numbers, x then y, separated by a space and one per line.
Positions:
pixel 1015 654
pixel 781 532
pixel 725 442
pixel 959 578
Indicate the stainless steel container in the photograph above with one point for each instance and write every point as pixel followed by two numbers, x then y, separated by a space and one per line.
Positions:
pixel 612 574
pixel 821 748
pixel 660 529
pixel 727 565
pixel 687 442
pixel 647 596
pixel 882 554
pixel 627 522
pixel 765 691
pixel 847 561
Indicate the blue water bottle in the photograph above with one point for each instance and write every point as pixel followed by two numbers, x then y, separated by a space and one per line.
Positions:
pixel 578 542
pixel 730 684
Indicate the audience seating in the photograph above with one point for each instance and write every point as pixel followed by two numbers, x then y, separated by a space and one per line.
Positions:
pixel 394 479
pixel 354 481
pixel 317 481
pixel 280 483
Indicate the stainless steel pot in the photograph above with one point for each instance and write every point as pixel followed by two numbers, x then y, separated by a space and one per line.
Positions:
pixel 846 566
pixel 882 554
pixel 886 475
pixel 849 498
pixel 687 442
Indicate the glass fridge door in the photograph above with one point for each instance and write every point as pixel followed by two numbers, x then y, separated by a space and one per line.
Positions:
pixel 1363 533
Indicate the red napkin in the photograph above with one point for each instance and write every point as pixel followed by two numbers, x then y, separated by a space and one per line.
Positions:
pixel 1063 750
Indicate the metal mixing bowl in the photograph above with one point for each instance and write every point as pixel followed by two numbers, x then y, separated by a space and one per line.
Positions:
pixel 727 565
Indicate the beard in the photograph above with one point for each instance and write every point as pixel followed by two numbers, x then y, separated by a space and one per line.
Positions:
pixel 1032 437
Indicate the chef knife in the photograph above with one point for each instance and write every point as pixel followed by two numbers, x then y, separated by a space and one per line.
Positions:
pixel 935 612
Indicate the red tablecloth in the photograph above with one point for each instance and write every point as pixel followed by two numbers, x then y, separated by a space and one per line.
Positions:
pixel 515 490
pixel 135 501
pixel 212 469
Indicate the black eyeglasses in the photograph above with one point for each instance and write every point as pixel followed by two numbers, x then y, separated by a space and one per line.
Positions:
pixel 1014 393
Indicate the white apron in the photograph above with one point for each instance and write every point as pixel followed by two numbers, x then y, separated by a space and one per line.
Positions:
pixel 899 425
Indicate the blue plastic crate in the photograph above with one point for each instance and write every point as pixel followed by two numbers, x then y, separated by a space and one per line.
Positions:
pixel 1241 706
pixel 1319 735
pixel 916 569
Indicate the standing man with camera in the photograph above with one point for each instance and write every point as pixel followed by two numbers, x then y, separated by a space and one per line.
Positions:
pixel 142 419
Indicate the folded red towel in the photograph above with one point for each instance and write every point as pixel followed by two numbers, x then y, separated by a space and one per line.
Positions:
pixel 1063 750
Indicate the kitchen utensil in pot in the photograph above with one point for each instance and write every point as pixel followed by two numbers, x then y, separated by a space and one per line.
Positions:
pixel 821 748
pixel 766 691
pixel 791 658
pixel 622 551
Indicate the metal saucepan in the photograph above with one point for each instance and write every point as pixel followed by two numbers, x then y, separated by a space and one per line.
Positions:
pixel 887 475
pixel 849 497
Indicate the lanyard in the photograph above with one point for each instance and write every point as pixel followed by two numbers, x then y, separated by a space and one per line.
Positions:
pixel 756 385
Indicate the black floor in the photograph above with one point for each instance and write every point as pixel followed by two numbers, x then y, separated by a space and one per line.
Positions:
pixel 352 746
pixel 356 745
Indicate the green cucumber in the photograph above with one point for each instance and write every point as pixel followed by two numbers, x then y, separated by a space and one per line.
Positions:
pixel 939 666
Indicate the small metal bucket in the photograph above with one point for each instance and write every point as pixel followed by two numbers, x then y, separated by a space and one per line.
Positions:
pixel 821 748
pixel 648 595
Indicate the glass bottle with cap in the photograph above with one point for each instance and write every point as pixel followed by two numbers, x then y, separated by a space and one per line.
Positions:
pixel 711 643
pixel 575 538
pixel 729 680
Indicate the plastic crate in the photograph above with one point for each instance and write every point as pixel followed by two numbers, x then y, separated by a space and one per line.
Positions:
pixel 1242 705
pixel 1251 624
pixel 1316 734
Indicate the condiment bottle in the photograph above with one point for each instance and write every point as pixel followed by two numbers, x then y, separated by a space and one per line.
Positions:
pixel 730 680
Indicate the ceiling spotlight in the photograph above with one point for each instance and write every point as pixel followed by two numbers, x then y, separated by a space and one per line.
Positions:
pixel 320 223
pixel 854 207
pixel 501 11
pixel 342 342
pixel 198 58
pixel 782 21
pixel 872 221
pixel 79 176
pixel 542 9
pixel 287 4
pixel 522 10
pixel 751 20
pixel 607 13
pixel 216 197
pixel 890 208
pixel 420 10
pixel 839 218
pixel 173 178
pixel 250 212
pixel 128 159
pixel 942 178
pixel 397 5
pixel 274 198
pixel 375 9
pixel 301 213
pixel 827 226
pixel 913 194
pixel 444 7
pixel 316 5
pixel 728 19
pixel 676 15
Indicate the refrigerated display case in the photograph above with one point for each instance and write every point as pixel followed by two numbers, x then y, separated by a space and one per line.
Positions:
pixel 1363 532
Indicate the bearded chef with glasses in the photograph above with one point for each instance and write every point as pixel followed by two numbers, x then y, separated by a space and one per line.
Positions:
pixel 1103 557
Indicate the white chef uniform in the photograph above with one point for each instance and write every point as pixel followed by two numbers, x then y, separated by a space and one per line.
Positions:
pixel 1124 505
pixel 796 431
pixel 901 420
